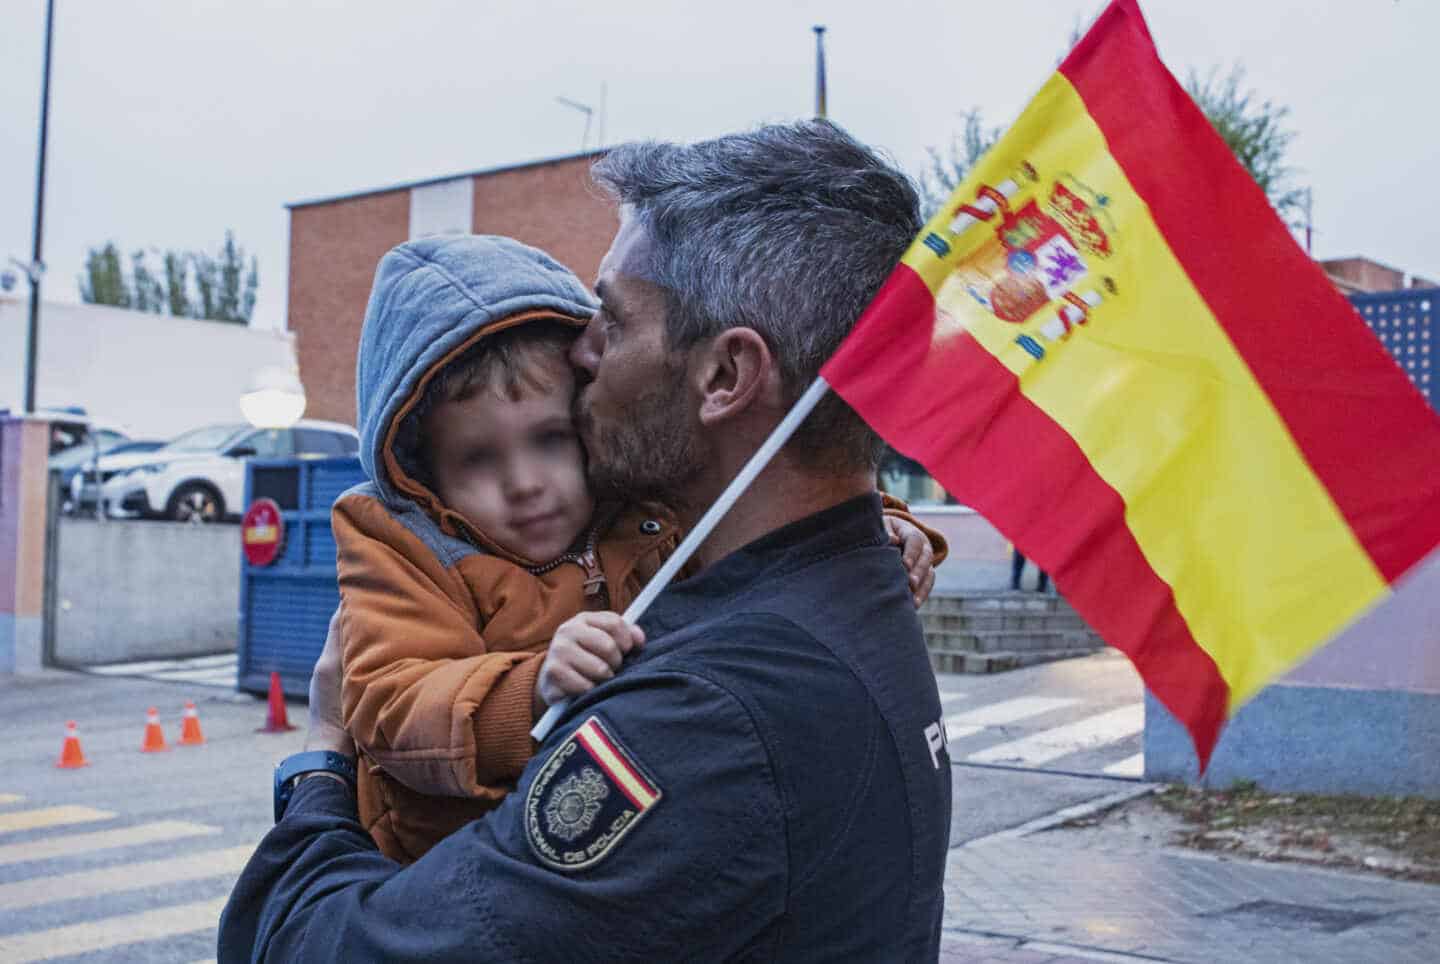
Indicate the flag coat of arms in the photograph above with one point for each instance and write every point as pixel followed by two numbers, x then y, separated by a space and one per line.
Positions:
pixel 1108 344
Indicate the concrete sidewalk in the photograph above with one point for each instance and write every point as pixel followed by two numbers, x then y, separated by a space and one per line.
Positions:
pixel 1061 897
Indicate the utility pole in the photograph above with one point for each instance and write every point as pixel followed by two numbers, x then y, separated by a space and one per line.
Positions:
pixel 37 264
pixel 819 72
pixel 1309 217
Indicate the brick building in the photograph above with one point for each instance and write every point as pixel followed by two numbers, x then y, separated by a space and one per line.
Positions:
pixel 1358 275
pixel 336 242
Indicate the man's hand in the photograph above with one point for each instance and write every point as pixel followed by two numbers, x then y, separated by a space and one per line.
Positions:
pixel 916 554
pixel 327 727
pixel 587 649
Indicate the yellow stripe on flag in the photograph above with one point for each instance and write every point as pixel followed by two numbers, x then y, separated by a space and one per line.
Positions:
pixel 1154 393
pixel 617 768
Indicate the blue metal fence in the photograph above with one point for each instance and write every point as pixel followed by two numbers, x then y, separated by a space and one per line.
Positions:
pixel 1408 325
pixel 285 608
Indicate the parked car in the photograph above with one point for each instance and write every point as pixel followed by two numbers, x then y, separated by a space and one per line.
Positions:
pixel 72 427
pixel 200 476
pixel 81 475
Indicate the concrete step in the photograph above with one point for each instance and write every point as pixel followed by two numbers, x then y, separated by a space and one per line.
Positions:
pixel 996 602
pixel 958 662
pixel 1018 641
pixel 994 621
pixel 949 662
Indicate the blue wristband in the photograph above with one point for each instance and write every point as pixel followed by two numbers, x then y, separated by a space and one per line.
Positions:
pixel 311 761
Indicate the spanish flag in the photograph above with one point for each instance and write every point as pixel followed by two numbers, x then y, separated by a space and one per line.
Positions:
pixel 1109 345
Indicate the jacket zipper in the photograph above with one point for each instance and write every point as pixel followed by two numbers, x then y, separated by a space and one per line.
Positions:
pixel 588 560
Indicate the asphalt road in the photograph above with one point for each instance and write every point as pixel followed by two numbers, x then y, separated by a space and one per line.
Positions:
pixel 131 857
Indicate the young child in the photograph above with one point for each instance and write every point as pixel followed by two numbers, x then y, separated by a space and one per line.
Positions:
pixel 476 548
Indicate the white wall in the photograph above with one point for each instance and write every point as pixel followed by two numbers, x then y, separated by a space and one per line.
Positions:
pixel 118 597
pixel 156 375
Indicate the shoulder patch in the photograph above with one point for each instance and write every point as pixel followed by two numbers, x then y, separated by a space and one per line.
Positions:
pixel 590 793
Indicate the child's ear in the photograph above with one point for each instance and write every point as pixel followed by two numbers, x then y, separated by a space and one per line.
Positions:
pixel 735 372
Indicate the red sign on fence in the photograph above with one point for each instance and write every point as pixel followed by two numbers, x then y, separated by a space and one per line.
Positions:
pixel 262 532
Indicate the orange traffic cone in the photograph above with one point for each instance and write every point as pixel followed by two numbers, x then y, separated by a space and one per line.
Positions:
pixel 154 736
pixel 276 720
pixel 71 756
pixel 190 734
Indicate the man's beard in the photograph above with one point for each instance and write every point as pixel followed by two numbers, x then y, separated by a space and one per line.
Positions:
pixel 652 454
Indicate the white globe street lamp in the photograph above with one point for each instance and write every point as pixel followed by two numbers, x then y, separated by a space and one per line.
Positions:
pixel 276 398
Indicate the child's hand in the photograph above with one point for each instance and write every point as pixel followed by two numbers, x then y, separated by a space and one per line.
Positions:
pixel 587 650
pixel 916 554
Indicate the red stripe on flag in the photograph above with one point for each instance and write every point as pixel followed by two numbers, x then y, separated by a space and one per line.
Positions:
pixel 1366 433
pixel 961 412
pixel 592 731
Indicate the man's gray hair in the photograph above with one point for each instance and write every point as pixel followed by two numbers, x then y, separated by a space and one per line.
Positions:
pixel 790 230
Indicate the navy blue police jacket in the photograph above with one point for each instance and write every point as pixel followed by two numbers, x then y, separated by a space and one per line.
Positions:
pixel 767 782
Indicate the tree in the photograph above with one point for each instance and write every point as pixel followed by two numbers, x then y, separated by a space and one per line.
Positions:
pixel 207 282
pixel 148 295
pixel 103 282
pixel 1254 129
pixel 949 167
pixel 177 269
pixel 224 290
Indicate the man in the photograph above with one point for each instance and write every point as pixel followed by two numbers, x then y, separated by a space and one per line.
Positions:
pixel 767 780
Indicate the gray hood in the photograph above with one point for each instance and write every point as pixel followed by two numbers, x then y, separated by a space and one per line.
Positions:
pixel 431 299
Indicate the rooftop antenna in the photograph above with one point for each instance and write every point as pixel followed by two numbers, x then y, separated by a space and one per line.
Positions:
pixel 589 113
pixel 819 71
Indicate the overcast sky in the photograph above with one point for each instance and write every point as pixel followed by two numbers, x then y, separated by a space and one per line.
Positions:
pixel 172 120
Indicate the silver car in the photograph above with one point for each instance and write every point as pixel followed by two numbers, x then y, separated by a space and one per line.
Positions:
pixel 200 476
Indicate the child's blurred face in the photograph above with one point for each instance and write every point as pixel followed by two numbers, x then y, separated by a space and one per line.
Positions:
pixel 513 467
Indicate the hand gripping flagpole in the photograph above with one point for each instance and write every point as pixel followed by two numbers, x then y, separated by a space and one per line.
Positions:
pixel 707 523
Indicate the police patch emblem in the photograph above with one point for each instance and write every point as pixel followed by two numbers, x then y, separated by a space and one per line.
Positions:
pixel 589 794
pixel 575 803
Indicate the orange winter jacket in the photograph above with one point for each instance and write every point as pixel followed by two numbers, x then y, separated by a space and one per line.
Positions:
pixel 443 643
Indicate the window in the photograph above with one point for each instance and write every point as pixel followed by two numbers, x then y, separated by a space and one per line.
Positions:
pixel 269 443
pixel 317 443
pixel 907 480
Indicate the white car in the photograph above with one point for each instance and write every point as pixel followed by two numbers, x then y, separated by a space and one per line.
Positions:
pixel 200 476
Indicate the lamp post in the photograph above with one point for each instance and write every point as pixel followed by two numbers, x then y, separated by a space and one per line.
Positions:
pixel 820 106
pixel 276 398
pixel 36 267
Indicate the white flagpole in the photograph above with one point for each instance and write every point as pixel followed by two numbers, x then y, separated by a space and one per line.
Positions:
pixel 707 523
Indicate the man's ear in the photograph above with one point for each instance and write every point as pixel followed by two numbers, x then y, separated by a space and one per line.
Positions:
pixel 733 372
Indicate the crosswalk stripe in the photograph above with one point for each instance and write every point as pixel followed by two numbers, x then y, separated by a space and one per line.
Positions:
pixel 161 667
pixel 954 731
pixel 948 698
pixel 1131 766
pixel 50 817
pixel 1054 743
pixel 220 659
pixel 133 876
pixel 111 932
pixel 134 669
pixel 1009 711
pixel 215 676
pixel 9 798
pixel 79 843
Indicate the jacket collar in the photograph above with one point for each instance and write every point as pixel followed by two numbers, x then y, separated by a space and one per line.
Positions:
pixel 849 525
